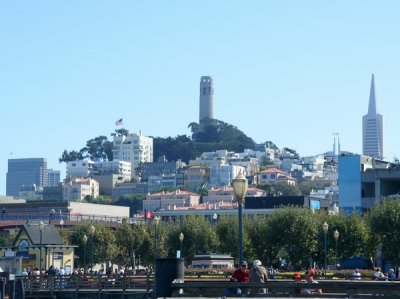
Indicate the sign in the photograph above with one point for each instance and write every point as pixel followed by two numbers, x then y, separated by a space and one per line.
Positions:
pixel 57 255
pixel 9 253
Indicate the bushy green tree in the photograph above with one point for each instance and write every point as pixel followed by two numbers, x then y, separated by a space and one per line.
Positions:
pixel 384 223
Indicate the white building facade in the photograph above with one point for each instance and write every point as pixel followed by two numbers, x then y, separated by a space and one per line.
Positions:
pixel 134 148
pixel 78 188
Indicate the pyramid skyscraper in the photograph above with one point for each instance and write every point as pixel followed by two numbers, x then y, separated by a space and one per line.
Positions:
pixel 373 128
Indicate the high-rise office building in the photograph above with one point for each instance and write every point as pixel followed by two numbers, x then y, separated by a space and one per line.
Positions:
pixel 206 98
pixel 54 177
pixel 25 172
pixel 373 128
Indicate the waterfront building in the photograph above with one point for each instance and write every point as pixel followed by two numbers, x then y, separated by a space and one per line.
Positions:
pixel 30 244
pixel 364 180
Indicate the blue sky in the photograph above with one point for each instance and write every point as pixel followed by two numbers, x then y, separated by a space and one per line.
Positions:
pixel 293 72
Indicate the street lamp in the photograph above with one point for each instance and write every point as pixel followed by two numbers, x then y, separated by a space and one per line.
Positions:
pixel 215 218
pixel 84 240
pixel 336 236
pixel 92 231
pixel 181 236
pixel 240 188
pixel 156 220
pixel 325 227
pixel 41 228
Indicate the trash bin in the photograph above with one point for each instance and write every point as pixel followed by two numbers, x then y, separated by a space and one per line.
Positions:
pixel 167 270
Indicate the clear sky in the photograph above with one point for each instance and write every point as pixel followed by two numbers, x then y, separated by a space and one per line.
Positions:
pixel 293 72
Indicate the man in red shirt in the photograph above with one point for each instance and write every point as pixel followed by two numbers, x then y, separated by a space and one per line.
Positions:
pixel 241 274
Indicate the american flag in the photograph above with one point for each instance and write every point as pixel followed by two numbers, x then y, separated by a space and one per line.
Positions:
pixel 119 122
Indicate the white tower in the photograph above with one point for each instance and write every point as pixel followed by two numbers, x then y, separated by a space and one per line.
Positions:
pixel 206 98
pixel 373 128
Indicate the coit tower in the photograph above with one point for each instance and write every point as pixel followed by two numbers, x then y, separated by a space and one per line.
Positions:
pixel 206 98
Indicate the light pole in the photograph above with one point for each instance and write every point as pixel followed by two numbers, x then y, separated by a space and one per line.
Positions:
pixel 156 220
pixel 181 236
pixel 41 228
pixel 92 231
pixel 84 240
pixel 215 218
pixel 240 188
pixel 325 227
pixel 336 236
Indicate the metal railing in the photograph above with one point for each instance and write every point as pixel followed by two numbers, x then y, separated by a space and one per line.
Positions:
pixel 51 284
pixel 274 288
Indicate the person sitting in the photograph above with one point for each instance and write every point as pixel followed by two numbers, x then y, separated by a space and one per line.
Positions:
pixel 378 275
pixel 356 275
pixel 297 279
pixel 239 275
pixel 258 273
pixel 310 279
pixel 391 275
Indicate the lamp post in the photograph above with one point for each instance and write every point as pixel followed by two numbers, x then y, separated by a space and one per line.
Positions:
pixel 240 188
pixel 41 228
pixel 156 220
pixel 84 240
pixel 215 218
pixel 92 231
pixel 181 236
pixel 336 236
pixel 325 227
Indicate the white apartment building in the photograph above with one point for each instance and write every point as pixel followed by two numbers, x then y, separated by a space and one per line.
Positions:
pixel 78 188
pixel 225 166
pixel 80 168
pixel 275 175
pixel 134 148
pixel 121 168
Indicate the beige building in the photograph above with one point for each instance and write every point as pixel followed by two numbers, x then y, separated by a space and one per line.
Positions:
pixel 31 243
pixel 195 177
pixel 78 188
pixel 170 200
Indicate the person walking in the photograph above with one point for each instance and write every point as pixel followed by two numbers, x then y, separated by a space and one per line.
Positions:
pixel 258 273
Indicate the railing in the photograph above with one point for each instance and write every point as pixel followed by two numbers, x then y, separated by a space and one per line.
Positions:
pixel 330 289
pixel 55 219
pixel 88 283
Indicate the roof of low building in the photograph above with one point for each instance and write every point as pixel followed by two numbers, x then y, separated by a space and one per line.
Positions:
pixel 50 235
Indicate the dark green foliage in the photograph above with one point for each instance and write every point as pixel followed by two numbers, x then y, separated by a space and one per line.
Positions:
pixel 134 202
pixel 214 135
pixel 384 221
pixel 69 156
